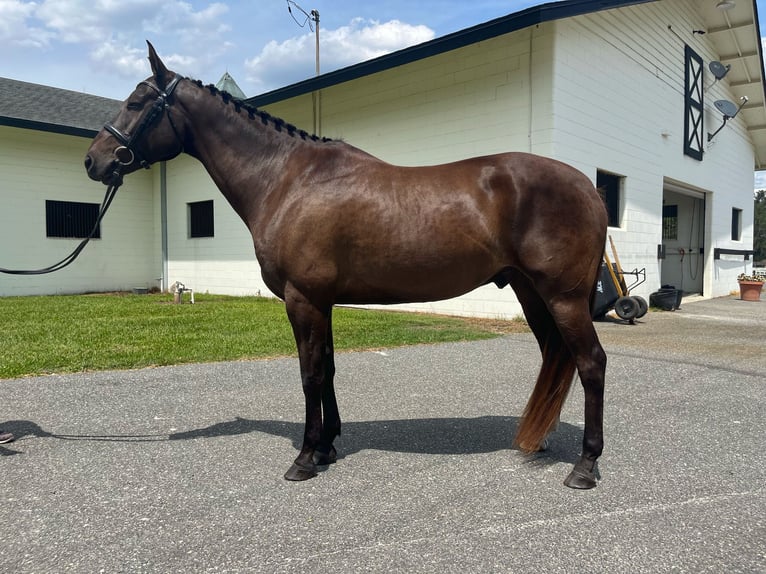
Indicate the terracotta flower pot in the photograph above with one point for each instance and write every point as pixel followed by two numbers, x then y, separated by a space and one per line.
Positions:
pixel 750 290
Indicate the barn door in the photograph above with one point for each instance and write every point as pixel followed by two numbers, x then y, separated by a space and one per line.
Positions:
pixel 683 239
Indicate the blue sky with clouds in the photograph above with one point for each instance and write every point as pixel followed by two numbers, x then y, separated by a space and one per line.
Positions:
pixel 98 46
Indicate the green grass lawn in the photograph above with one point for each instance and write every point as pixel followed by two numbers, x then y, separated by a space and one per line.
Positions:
pixel 70 333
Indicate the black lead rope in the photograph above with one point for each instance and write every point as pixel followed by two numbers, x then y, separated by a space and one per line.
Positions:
pixel 111 191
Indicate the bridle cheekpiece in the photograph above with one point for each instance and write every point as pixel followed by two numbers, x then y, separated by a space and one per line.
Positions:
pixel 127 153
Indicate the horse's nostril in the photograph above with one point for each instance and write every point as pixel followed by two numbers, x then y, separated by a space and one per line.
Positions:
pixel 88 162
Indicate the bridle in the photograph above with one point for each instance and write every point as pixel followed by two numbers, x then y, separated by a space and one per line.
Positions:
pixel 125 155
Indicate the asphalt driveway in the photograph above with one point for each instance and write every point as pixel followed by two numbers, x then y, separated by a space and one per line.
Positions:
pixel 179 469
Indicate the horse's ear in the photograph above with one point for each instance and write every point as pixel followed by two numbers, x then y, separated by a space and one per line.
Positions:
pixel 158 68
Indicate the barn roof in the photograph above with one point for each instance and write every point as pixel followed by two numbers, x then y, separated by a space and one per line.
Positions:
pixel 44 108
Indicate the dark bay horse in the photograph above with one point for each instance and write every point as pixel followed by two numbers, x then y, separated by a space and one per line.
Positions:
pixel 333 224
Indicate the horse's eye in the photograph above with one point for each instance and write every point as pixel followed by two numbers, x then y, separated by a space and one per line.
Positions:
pixel 135 106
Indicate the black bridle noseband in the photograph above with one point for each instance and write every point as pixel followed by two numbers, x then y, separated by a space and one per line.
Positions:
pixel 125 155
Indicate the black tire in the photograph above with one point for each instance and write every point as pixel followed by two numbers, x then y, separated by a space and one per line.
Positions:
pixel 643 306
pixel 626 308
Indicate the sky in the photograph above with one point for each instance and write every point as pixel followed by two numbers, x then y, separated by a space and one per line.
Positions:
pixel 98 46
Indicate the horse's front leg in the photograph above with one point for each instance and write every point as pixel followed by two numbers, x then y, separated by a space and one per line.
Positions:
pixel 310 327
pixel 325 452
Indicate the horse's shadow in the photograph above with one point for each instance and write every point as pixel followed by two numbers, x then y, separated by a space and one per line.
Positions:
pixel 445 436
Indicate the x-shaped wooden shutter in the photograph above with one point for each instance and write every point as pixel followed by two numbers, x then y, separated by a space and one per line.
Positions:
pixel 694 117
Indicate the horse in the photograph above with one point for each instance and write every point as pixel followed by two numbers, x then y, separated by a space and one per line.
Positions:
pixel 332 224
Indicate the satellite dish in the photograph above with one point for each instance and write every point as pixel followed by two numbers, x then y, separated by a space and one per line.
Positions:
pixel 718 69
pixel 729 111
pixel 727 108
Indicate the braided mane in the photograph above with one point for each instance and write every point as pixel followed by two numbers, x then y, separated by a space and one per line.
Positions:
pixel 254 113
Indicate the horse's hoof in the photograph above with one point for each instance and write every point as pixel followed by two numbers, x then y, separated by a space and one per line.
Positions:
pixel 324 458
pixel 581 480
pixel 298 473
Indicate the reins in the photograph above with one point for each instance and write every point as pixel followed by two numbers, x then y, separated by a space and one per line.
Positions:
pixel 125 155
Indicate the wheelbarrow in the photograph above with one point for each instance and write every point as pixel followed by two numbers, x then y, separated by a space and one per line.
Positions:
pixel 613 292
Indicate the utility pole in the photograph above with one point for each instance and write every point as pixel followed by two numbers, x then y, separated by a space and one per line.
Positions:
pixel 312 18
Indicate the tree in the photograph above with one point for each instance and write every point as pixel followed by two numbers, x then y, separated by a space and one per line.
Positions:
pixel 759 227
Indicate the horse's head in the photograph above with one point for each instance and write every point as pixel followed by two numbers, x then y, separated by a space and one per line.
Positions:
pixel 145 130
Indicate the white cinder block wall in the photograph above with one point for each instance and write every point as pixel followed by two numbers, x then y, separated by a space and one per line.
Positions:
pixel 223 264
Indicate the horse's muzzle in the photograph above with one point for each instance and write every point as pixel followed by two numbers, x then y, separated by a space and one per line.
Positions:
pixel 112 175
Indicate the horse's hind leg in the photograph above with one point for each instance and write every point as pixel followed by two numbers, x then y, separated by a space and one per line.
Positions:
pixel 572 316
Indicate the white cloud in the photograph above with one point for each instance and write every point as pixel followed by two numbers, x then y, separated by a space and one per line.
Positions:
pixel 15 27
pixel 124 61
pixel 282 63
pixel 86 22
pixel 363 40
pixel 113 31
pixel 190 26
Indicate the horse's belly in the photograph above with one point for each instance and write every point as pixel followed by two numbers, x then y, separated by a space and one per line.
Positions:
pixel 410 284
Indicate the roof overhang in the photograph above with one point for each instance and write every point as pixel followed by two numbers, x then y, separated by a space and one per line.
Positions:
pixel 736 35
pixel 47 127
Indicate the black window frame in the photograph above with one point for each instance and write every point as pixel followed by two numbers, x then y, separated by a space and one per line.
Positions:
pixel 71 219
pixel 670 222
pixel 201 217
pixel 609 186
pixel 736 224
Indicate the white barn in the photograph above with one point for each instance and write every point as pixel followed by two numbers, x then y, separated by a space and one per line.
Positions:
pixel 622 90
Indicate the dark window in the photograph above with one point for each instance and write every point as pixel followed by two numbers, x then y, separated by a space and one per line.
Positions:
pixel 71 219
pixel 201 219
pixel 670 222
pixel 736 224
pixel 693 105
pixel 610 188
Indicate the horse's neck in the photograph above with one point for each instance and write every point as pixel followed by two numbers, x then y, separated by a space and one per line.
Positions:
pixel 243 156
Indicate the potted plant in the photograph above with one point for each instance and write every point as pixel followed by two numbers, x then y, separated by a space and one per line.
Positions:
pixel 750 286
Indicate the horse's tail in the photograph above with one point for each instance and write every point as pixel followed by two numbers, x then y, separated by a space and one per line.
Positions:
pixel 541 414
